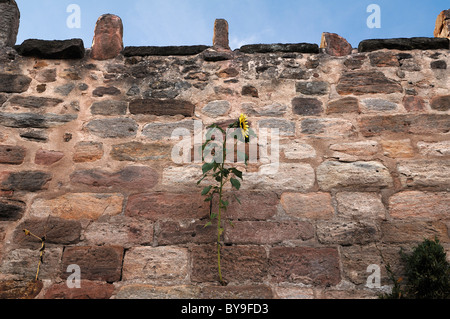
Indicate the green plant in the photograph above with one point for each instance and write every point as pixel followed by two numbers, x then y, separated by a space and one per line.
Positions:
pixel 239 132
pixel 427 273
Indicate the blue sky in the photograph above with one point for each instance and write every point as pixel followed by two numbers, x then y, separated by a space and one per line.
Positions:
pixel 190 22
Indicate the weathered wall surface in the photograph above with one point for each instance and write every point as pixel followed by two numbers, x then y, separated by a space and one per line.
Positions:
pixel 85 158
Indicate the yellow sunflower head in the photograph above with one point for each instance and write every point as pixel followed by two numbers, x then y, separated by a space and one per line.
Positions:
pixel 243 124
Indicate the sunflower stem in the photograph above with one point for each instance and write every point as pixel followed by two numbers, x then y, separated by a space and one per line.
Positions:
pixel 219 220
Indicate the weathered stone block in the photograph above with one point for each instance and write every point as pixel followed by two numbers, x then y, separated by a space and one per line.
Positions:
pixel 416 204
pixel 14 83
pixel 367 82
pixel 87 152
pixel 414 104
pixel 379 105
pixel 220 39
pixel 234 259
pixel 14 155
pixel 78 206
pixel 309 206
pixel 347 232
pixel 162 107
pixel 56 49
pixel 306 106
pixel 360 206
pixel 286 128
pixel 47 158
pixel 129 178
pixel 335 45
pixel 11 210
pixel 332 175
pixel 410 123
pixel 164 264
pixel 436 149
pixel 109 108
pixel 147 292
pixel 441 103
pixel 9 22
pixel 424 173
pixel 96 263
pixel 88 290
pixel 345 105
pixel 20 290
pixel 32 120
pixel 298 150
pixel 318 266
pixel 404 44
pixel 312 88
pixel 164 51
pixel 398 148
pixel 350 152
pixel 175 233
pixel 113 128
pixel 29 181
pixel 267 233
pixel 215 109
pixel 34 102
pixel 237 292
pixel 167 206
pixel 163 131
pixel 412 231
pixel 140 152
pixel 327 128
pixel 285 48
pixel 106 90
pixel 270 110
pixel 108 37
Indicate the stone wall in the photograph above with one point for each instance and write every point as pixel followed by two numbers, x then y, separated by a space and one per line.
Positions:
pixel 85 159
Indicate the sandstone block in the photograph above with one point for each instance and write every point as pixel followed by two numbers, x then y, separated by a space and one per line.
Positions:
pixel 436 149
pixel 14 83
pixel 442 28
pixel 164 50
pixel 297 150
pixel 15 289
pixel 140 152
pixel 34 102
pixel 162 107
pixel 384 59
pixel 109 108
pixel 409 123
pixel 220 40
pixel 87 152
pixel 13 155
pixel 345 105
pixel 306 106
pixel 398 148
pixel 106 90
pixel 28 181
pixel 414 104
pixel 167 206
pixel 11 210
pixel 9 23
pixel 285 48
pixel 32 120
pixel 89 290
pixel 108 37
pixel 327 128
pixel 47 158
pixel 335 45
pixel 318 266
pixel 96 263
pixel 164 131
pixel 270 110
pixel 56 49
pixel 147 292
pixel 441 103
pixel 164 264
pixel 78 206
pixel 267 233
pixel 309 206
pixel 129 178
pixel 286 128
pixel 416 204
pixel 312 88
pixel 411 231
pixel 234 259
pixel 175 233
pixel 237 292
pixel 424 173
pixel 347 232
pixel 350 152
pixel 332 175
pixel 360 206
pixel 113 128
pixel 367 82
pixel 379 105
pixel 216 109
pixel 404 44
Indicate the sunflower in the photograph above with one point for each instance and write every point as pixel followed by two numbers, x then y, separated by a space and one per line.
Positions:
pixel 243 124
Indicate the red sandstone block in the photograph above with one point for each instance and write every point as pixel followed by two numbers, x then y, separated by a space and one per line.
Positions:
pixel 87 290
pixel 96 263
pixel 14 155
pixel 239 263
pixel 317 266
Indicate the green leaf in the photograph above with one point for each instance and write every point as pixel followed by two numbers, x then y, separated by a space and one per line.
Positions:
pixel 221 230
pixel 206 190
pixel 236 172
pixel 204 176
pixel 236 184
pixel 207 224
pixel 207 167
pixel 224 203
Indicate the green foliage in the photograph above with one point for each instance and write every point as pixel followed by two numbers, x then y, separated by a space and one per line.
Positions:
pixel 427 273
